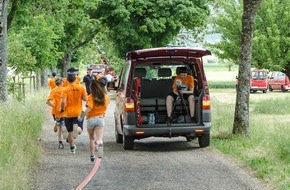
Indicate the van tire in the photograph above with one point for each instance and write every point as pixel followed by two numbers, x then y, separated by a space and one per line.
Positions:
pixel 119 138
pixel 204 140
pixel 128 142
pixel 270 88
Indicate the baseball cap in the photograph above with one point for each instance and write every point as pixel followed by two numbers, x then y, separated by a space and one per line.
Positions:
pixel 72 70
pixel 53 73
pixel 103 80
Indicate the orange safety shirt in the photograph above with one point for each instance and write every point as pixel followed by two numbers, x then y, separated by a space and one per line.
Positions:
pixel 97 110
pixel 74 94
pixel 51 83
pixel 188 81
pixel 55 97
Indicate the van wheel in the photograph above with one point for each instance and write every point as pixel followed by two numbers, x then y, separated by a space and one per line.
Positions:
pixel 118 136
pixel 204 140
pixel 128 142
pixel 264 91
pixel 283 89
pixel 270 88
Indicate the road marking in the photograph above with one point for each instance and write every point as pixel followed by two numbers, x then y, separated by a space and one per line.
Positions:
pixel 90 175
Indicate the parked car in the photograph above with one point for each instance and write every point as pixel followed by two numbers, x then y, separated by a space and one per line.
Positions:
pixel 259 80
pixel 279 81
pixel 144 83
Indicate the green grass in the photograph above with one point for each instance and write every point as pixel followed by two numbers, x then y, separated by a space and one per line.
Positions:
pixel 267 149
pixel 21 125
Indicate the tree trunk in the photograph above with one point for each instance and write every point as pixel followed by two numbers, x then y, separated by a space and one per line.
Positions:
pixel 241 120
pixel 44 77
pixel 3 51
pixel 65 63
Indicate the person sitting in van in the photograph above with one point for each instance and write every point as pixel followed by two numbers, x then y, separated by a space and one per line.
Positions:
pixel 183 85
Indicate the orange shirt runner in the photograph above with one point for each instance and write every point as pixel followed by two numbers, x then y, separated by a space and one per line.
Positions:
pixel 73 93
pixel 97 110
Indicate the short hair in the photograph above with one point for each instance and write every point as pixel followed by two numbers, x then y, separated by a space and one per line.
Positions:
pixel 58 81
pixel 53 73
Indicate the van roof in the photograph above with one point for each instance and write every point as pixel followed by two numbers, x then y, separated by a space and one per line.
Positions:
pixel 185 52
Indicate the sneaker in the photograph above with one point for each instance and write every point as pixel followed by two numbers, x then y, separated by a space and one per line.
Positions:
pixel 75 131
pixel 60 146
pixel 100 150
pixel 73 149
pixel 64 132
pixel 93 158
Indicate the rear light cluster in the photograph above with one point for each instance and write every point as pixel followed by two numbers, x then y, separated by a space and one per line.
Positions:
pixel 129 105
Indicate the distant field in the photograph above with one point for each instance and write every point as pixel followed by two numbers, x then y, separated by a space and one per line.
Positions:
pixel 217 72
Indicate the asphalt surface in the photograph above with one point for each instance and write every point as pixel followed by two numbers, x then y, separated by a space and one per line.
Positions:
pixel 154 164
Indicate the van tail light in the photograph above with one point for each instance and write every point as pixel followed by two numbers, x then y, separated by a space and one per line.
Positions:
pixel 129 105
pixel 206 102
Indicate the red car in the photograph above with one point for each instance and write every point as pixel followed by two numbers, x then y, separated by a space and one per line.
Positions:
pixel 279 81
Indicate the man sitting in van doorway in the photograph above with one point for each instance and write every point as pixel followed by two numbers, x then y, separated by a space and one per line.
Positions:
pixel 183 85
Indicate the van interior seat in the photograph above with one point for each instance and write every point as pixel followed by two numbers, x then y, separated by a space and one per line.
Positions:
pixel 140 72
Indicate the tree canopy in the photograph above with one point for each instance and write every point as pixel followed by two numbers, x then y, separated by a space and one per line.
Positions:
pixel 271 42
pixel 148 23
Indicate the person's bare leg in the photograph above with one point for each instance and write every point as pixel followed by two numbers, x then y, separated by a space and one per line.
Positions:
pixel 92 141
pixel 191 105
pixel 99 131
pixel 169 101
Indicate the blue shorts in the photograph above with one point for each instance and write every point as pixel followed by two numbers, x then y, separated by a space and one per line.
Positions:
pixel 95 122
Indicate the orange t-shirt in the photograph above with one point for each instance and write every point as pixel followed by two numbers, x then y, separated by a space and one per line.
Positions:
pixel 51 83
pixel 65 82
pixel 74 94
pixel 55 97
pixel 78 79
pixel 97 110
pixel 188 81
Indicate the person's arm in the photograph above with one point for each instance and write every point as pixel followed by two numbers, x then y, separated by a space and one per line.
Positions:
pixel 48 102
pixel 62 104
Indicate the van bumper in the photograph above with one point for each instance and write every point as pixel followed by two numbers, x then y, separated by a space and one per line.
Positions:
pixel 164 130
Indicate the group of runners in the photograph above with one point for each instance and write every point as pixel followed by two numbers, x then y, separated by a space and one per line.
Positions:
pixel 66 99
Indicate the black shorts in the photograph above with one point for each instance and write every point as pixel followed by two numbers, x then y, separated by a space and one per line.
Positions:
pixel 69 122
pixel 174 96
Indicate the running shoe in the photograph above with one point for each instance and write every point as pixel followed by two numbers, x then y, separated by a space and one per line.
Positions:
pixel 75 131
pixel 92 158
pixel 64 132
pixel 73 149
pixel 60 145
pixel 100 150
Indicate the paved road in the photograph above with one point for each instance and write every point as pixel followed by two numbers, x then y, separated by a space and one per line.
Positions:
pixel 155 163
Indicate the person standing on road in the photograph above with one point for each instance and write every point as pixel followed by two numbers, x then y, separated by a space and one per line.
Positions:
pixel 87 80
pixel 97 105
pixel 71 105
pixel 53 100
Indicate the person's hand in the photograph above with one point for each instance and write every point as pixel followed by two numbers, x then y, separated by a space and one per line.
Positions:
pixel 81 117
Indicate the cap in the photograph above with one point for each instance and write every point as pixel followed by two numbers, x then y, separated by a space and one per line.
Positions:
pixel 103 80
pixel 72 70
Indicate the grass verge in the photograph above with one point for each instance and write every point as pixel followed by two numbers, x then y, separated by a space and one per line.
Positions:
pixel 267 149
pixel 21 124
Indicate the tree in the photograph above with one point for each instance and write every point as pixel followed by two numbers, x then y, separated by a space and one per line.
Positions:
pixel 3 50
pixel 271 42
pixel 149 23
pixel 241 119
